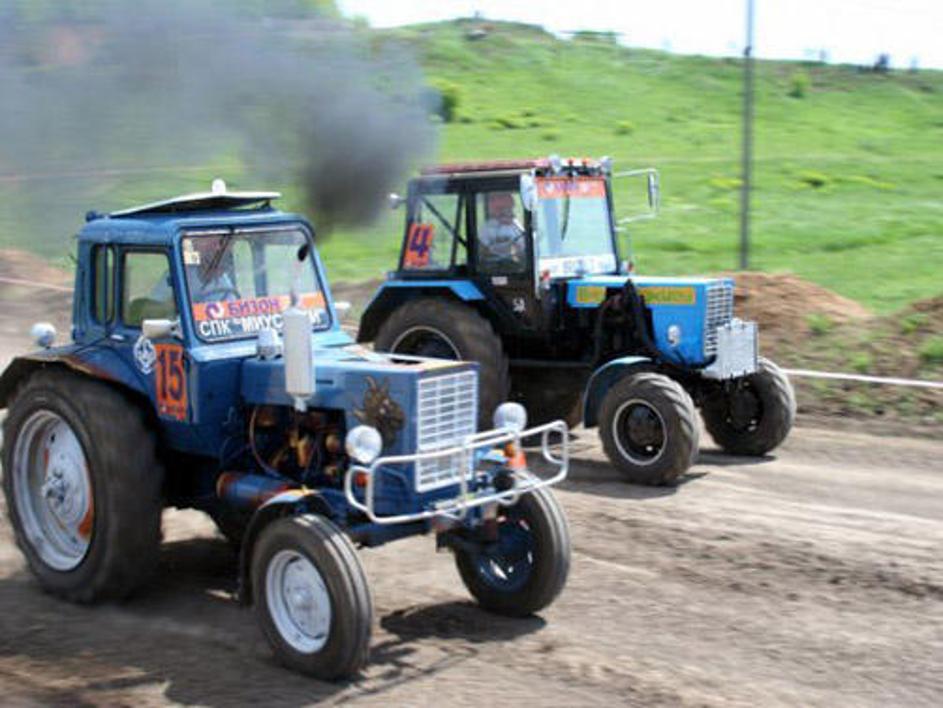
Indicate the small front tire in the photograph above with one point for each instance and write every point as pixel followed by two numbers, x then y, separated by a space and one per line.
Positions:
pixel 525 570
pixel 311 597
pixel 648 426
pixel 754 416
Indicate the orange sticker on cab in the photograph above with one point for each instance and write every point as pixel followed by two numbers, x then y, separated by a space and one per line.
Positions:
pixel 579 187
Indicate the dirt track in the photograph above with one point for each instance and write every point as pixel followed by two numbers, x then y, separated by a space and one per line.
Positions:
pixel 814 578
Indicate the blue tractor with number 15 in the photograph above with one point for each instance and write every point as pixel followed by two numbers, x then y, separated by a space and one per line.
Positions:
pixel 207 369
pixel 515 264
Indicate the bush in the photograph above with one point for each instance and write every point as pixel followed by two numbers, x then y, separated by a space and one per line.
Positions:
pixel 507 123
pixel 931 350
pixel 799 84
pixel 625 127
pixel 819 324
pixel 814 179
pixel 448 96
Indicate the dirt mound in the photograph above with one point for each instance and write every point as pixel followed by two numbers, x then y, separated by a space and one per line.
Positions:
pixel 781 304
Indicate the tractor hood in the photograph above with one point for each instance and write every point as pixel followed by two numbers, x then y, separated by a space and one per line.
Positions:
pixel 395 397
pixel 691 307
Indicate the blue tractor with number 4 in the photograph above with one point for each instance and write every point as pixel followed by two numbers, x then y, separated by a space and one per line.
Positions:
pixel 515 264
pixel 207 369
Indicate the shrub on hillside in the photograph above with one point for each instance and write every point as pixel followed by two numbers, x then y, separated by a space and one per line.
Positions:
pixel 799 84
pixel 446 99
pixel 625 127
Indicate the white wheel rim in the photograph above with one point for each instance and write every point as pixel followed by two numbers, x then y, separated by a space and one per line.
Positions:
pixel 53 490
pixel 616 424
pixel 430 330
pixel 298 601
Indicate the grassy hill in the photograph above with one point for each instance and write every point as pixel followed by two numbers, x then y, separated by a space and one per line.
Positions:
pixel 849 164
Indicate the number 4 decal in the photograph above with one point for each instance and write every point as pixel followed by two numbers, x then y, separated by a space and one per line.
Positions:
pixel 419 245
pixel 171 382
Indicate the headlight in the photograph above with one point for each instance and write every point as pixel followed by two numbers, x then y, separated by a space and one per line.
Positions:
pixel 364 444
pixel 674 335
pixel 510 415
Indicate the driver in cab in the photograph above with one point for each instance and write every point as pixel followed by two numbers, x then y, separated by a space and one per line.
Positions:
pixel 209 267
pixel 501 237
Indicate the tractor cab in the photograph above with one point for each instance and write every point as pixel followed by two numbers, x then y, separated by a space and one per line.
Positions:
pixel 509 227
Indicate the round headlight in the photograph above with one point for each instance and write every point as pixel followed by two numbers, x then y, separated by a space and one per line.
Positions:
pixel 510 415
pixel 364 444
pixel 674 335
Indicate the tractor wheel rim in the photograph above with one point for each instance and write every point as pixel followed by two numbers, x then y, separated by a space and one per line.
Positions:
pixel 53 491
pixel 509 564
pixel 298 601
pixel 639 432
pixel 426 341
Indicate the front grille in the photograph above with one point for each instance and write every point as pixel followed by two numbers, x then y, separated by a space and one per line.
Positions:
pixel 719 312
pixel 447 412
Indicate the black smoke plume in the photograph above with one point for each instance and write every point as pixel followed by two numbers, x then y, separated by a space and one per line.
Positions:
pixel 106 100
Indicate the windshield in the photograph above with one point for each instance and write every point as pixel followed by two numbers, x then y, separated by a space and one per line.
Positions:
pixel 240 283
pixel 572 226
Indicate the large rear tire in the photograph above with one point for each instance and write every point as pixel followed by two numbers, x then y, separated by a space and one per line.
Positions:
pixel 83 486
pixel 648 425
pixel 755 415
pixel 311 597
pixel 448 330
pixel 527 568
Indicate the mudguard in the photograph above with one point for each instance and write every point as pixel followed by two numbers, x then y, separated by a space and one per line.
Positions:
pixel 394 293
pixel 293 501
pixel 69 356
pixel 603 379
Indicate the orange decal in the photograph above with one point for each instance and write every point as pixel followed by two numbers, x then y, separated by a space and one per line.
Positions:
pixel 251 307
pixel 419 245
pixel 171 382
pixel 580 187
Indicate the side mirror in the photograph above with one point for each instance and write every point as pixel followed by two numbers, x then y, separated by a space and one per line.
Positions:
pixel 160 329
pixel 396 201
pixel 654 194
pixel 529 192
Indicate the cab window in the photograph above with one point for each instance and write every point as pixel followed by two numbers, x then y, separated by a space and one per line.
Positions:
pixel 147 291
pixel 434 233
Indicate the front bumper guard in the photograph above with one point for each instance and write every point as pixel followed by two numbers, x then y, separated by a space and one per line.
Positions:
pixel 456 508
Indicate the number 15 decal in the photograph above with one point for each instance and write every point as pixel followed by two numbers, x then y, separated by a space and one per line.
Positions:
pixel 171 382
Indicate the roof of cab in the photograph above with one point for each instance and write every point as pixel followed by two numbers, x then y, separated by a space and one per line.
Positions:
pixel 158 223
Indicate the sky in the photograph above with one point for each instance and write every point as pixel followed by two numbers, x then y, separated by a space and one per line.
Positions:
pixel 852 31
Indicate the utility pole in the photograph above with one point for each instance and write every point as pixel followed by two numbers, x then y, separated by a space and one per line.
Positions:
pixel 747 142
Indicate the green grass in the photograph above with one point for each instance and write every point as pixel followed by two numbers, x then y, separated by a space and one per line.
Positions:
pixel 848 174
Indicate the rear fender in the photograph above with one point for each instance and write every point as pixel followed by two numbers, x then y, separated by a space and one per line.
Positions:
pixel 22 367
pixel 603 379
pixel 289 503
pixel 394 293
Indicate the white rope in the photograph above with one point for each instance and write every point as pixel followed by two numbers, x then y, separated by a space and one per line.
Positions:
pixel 34 284
pixel 884 380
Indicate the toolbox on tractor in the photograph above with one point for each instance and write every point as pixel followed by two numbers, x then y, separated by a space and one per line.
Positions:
pixel 516 264
pixel 207 369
